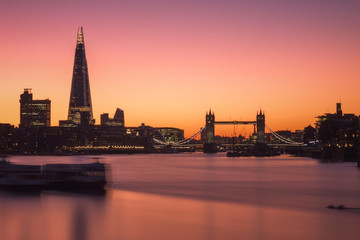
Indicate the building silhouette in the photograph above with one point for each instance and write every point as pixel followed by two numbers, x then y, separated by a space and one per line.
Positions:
pixel 117 120
pixel 260 119
pixel 33 113
pixel 339 135
pixel 209 127
pixel 171 134
pixel 119 117
pixel 80 107
pixel 210 145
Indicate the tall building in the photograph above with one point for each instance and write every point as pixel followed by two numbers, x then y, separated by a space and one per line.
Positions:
pixel 80 108
pixel 33 113
pixel 118 119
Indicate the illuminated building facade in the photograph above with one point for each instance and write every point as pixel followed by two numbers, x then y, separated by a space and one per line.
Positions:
pixel 33 113
pixel 118 119
pixel 6 134
pixel 80 108
pixel 172 134
pixel 339 135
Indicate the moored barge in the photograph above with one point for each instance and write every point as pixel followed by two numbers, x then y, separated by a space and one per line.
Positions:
pixel 52 176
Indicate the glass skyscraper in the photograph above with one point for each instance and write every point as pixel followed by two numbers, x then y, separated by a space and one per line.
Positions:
pixel 80 108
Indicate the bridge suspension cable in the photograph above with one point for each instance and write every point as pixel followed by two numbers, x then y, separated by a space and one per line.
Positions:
pixel 184 141
pixel 160 142
pixel 281 138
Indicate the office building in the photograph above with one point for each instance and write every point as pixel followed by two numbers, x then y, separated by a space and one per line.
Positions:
pixel 171 135
pixel 339 135
pixel 117 120
pixel 33 113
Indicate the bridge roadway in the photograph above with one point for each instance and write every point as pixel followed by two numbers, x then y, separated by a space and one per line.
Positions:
pixel 238 144
pixel 235 122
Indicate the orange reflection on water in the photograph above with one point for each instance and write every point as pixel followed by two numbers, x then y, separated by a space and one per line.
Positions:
pixel 131 215
pixel 193 196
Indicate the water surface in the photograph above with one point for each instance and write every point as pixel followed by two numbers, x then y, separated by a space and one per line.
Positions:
pixel 192 196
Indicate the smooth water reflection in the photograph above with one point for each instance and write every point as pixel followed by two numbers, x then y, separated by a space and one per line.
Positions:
pixel 193 196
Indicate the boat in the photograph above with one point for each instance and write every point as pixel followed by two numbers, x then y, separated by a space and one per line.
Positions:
pixel 14 176
pixel 52 176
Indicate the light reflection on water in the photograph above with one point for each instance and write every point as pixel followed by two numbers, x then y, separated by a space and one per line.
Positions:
pixel 193 196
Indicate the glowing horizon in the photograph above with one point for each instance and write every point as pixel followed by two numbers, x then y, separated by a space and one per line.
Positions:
pixel 166 63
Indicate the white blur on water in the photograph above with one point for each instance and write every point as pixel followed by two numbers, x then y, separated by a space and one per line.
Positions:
pixel 192 196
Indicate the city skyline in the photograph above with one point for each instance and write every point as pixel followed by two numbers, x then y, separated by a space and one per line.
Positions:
pixel 166 64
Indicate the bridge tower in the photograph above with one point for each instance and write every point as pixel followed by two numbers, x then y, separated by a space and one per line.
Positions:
pixel 210 127
pixel 260 126
pixel 210 145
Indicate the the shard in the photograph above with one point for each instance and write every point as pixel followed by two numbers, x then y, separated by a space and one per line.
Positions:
pixel 80 108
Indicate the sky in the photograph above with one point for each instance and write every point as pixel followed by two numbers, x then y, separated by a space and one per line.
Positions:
pixel 166 63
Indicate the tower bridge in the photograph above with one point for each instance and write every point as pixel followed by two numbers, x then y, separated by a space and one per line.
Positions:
pixel 235 122
pixel 210 145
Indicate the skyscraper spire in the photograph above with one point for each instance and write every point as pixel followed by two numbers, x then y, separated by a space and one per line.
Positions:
pixel 80 108
pixel 80 36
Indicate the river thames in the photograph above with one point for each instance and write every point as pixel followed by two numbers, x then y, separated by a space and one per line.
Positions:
pixel 192 196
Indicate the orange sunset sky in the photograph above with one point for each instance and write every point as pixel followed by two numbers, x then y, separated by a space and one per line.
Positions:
pixel 165 63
